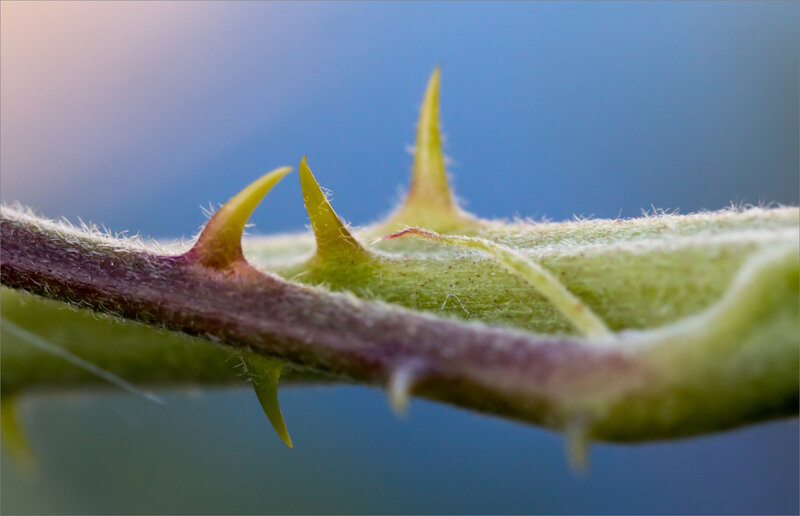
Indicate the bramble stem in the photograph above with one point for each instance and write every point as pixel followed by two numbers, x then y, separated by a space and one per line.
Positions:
pixel 617 390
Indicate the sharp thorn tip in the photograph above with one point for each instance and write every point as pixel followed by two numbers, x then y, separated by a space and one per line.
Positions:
pixel 265 373
pixel 219 244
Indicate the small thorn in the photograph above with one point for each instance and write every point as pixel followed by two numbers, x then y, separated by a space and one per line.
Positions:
pixel 333 238
pixel 577 441
pixel 430 201
pixel 220 243
pixel 265 373
pixel 401 382
pixel 14 437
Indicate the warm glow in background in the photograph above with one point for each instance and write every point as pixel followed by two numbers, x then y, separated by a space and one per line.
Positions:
pixel 135 114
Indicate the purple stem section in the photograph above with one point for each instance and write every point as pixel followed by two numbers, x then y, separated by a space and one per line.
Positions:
pixel 501 371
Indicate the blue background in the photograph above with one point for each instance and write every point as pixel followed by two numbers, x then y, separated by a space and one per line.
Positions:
pixel 134 115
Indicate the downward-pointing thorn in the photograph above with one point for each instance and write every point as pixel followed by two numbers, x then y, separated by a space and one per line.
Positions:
pixel 220 243
pixel 401 382
pixel 577 441
pixel 264 373
pixel 14 437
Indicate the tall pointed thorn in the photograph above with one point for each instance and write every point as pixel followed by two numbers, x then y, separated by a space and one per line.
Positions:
pixel 429 177
pixel 430 202
pixel 220 243
pixel 333 238
pixel 265 372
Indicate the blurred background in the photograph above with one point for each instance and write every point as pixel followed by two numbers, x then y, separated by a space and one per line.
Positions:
pixel 134 115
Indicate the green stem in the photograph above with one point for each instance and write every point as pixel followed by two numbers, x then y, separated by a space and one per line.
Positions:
pixel 741 369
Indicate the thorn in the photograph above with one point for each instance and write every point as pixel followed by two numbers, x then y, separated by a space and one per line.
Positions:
pixel 333 238
pixel 220 243
pixel 429 177
pixel 578 444
pixel 265 373
pixel 430 201
pixel 401 382
pixel 14 437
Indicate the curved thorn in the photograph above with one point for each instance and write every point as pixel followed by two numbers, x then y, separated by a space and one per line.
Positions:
pixel 333 238
pixel 264 373
pixel 14 437
pixel 220 243
pixel 401 382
